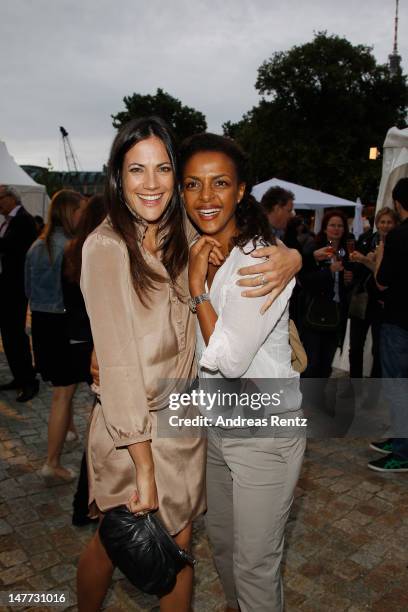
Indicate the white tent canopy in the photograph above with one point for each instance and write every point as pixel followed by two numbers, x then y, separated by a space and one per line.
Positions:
pixel 395 165
pixel 33 195
pixel 305 198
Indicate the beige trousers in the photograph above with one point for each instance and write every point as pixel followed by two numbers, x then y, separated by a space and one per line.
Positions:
pixel 250 486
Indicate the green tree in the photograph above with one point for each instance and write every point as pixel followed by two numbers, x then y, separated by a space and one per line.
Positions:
pixel 184 120
pixel 323 105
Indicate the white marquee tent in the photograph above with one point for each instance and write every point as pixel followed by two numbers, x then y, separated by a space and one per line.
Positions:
pixel 33 195
pixel 305 198
pixel 395 164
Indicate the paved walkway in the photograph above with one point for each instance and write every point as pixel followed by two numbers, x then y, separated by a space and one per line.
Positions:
pixel 347 538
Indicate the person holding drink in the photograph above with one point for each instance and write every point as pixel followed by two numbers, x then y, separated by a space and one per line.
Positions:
pixel 326 282
pixel 366 309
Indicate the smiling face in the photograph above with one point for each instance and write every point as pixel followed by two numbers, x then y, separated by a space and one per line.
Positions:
pixel 385 224
pixel 148 179
pixel 335 229
pixel 211 192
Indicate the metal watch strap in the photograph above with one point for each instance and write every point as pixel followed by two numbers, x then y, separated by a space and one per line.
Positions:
pixel 199 299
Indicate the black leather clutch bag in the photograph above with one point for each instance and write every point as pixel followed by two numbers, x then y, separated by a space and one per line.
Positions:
pixel 143 550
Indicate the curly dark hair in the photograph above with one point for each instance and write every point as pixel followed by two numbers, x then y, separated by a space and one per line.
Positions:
pixel 250 217
pixel 174 247
pixel 276 196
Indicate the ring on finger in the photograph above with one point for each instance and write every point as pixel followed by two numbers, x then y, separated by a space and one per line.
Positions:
pixel 263 279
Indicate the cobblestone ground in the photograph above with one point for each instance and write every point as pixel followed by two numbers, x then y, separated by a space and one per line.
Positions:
pixel 346 545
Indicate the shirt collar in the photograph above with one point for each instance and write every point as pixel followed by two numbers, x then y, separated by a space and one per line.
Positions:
pixel 15 210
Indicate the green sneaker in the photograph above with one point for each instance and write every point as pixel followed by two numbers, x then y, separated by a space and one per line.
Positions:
pixel 390 463
pixel 385 447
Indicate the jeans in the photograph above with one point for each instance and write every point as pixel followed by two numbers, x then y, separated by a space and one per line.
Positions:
pixel 394 364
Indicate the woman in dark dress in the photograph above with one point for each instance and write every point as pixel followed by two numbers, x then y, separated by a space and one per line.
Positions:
pixel 55 358
pixel 79 328
pixel 326 284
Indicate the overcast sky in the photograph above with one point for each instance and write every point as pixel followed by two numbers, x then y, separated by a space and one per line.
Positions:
pixel 71 62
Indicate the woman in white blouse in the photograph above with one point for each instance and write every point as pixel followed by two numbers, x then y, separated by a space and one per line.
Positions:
pixel 250 481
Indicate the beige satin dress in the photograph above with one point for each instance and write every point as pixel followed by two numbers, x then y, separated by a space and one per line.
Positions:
pixel 142 351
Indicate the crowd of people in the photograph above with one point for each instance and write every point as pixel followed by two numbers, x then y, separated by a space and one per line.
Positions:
pixel 177 272
pixel 358 280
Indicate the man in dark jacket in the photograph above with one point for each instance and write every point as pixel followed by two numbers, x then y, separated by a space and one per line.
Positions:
pixel 392 273
pixel 17 233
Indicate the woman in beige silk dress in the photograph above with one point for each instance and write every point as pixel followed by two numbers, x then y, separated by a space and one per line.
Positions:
pixel 135 285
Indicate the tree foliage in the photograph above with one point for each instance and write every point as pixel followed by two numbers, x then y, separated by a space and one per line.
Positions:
pixel 184 120
pixel 323 105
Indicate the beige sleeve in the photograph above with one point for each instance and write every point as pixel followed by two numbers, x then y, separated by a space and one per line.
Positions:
pixel 107 290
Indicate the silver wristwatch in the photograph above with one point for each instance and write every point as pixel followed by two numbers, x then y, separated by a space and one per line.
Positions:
pixel 199 299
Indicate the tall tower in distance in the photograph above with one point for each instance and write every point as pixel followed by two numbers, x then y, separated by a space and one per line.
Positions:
pixel 395 58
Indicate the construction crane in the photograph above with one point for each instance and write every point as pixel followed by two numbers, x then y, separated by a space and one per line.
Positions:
pixel 70 157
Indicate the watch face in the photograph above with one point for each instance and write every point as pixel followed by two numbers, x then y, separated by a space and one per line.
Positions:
pixel 192 305
pixel 199 299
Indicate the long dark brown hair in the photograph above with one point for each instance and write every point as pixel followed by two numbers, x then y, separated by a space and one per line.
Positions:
pixel 93 215
pixel 174 247
pixel 250 217
pixel 60 215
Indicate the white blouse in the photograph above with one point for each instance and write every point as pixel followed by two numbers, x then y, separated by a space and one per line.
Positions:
pixel 244 342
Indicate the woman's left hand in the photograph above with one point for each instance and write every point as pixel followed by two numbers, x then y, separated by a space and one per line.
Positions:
pixel 357 257
pixel 272 275
pixel 198 263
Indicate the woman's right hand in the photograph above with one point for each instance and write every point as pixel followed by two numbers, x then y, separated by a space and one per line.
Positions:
pixel 323 253
pixel 198 263
pixel 144 498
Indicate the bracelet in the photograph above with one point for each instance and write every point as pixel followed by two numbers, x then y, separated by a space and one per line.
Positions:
pixel 199 299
